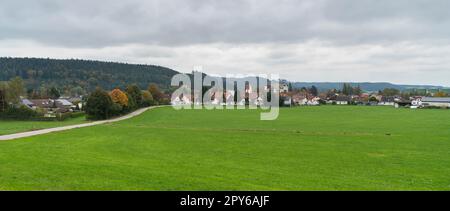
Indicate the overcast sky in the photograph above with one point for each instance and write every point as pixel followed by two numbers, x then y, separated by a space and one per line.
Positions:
pixel 400 41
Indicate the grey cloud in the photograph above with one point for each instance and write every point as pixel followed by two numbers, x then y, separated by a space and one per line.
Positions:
pixel 183 22
pixel 403 41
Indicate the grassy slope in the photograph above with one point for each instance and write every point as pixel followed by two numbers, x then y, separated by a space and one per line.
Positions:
pixel 311 148
pixel 10 127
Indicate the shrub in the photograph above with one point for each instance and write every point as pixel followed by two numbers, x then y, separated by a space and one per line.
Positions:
pixel 19 113
pixel 117 109
pixel 76 114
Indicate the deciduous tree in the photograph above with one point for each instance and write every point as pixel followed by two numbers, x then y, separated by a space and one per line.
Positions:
pixel 117 96
pixel 147 98
pixel 156 93
pixel 134 92
pixel 441 94
pixel 16 88
pixel 54 93
pixel 390 92
pixel 99 105
pixel 3 102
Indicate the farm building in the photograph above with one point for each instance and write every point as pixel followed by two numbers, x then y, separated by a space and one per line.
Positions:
pixel 435 102
pixel 343 100
pixel 59 105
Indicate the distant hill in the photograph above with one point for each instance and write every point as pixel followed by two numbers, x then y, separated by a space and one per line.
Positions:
pixel 366 86
pixel 66 74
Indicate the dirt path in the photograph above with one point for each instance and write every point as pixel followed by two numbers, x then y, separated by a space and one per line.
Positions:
pixel 57 129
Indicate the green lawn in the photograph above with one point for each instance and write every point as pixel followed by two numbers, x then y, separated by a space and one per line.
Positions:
pixel 10 127
pixel 308 148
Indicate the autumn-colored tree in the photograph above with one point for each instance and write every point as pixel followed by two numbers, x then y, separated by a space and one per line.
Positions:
pixel 147 98
pixel 441 94
pixel 156 93
pixel 119 97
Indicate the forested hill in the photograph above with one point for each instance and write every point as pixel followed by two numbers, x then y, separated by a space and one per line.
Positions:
pixel 69 74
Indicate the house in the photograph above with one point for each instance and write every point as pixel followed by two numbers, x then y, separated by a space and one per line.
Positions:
pixel 342 100
pixel 376 96
pixel 416 102
pixel 64 104
pixel 313 101
pixel 287 101
pixel 403 103
pixel 181 101
pixel 27 103
pixel 284 88
pixel 76 101
pixel 387 101
pixel 435 102
pixel 42 103
pixel 229 97
pixel 299 99
pixel 49 105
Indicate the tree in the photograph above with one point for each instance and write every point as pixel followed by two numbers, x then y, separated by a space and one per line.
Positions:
pixel 156 93
pixel 135 93
pixel 15 90
pixel 118 97
pixel 99 105
pixel 77 91
pixel 347 89
pixel 314 91
pixel 3 102
pixel 441 94
pixel 54 93
pixel 357 90
pixel 147 98
pixel 390 92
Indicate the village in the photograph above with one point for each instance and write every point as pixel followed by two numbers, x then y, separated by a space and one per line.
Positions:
pixel 60 107
pixel 290 97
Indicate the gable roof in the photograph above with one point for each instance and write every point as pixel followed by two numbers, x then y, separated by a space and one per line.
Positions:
pixel 343 98
pixel 42 103
pixel 27 102
pixel 64 102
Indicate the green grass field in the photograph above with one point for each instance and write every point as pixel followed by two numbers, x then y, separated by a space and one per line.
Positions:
pixel 10 126
pixel 308 148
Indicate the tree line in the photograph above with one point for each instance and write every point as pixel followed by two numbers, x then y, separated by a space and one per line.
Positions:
pixel 101 104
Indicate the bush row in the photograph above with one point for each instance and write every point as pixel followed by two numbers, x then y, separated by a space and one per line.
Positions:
pixel 25 113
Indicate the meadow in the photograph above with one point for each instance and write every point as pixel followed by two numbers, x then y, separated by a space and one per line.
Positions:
pixel 15 126
pixel 307 148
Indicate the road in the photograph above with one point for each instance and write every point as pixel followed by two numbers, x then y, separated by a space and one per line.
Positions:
pixel 57 129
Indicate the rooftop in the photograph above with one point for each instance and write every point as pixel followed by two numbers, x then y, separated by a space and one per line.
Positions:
pixel 436 99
